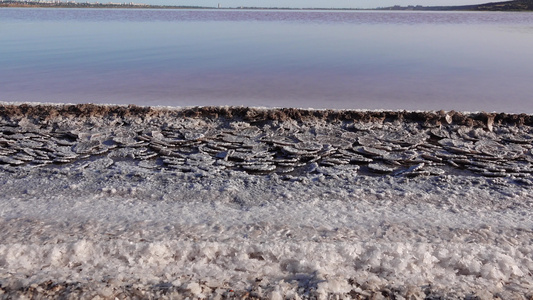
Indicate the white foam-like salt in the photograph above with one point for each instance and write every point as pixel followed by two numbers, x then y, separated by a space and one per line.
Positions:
pixel 327 244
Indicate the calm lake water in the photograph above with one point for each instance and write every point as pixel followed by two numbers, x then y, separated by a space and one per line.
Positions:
pixel 319 59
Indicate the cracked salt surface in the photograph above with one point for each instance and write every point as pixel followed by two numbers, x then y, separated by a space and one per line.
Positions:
pixel 237 202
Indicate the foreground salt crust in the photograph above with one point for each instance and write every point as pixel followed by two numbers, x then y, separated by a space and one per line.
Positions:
pixel 123 209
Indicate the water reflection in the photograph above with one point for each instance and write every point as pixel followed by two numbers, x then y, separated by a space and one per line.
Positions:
pixel 462 61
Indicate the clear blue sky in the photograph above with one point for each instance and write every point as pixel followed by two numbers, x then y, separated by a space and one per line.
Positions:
pixel 309 3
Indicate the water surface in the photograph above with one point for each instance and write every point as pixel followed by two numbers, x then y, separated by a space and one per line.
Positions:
pixel 320 59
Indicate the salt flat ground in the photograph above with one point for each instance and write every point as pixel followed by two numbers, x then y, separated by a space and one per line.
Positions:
pixel 236 202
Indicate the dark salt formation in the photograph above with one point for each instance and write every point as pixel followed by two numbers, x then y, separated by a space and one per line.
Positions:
pixel 266 141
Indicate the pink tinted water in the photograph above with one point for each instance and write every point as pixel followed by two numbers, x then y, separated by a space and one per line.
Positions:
pixel 320 59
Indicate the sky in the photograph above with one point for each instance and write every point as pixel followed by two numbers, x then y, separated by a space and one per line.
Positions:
pixel 311 3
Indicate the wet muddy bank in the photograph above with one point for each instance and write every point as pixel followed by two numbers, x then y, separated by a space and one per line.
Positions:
pixel 45 112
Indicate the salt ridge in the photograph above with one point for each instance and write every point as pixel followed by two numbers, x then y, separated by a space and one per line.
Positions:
pixel 109 217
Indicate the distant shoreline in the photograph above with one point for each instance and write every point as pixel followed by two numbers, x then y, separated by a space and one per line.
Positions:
pixel 523 5
pixel 24 4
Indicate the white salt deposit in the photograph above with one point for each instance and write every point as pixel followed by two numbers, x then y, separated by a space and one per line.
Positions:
pixel 119 228
pixel 265 237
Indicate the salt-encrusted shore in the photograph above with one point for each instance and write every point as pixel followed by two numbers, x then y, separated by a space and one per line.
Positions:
pixel 129 201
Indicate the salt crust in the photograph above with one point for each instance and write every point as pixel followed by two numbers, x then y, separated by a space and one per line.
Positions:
pixel 126 230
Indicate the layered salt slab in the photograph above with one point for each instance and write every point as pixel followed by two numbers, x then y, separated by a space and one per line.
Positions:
pixel 134 201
